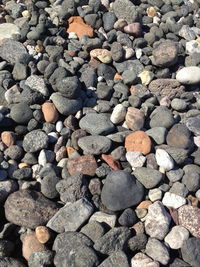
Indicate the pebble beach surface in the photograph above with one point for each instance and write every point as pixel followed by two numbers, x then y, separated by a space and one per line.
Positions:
pixel 99 133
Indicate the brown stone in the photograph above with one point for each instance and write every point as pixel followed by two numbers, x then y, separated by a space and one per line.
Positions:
pixel 85 164
pixel 50 112
pixel 134 29
pixel 23 165
pixel 138 141
pixel 144 204
pixel 194 201
pixel 120 24
pixel 134 118
pixel 151 12
pixel 8 138
pixel 77 25
pixel 139 228
pixel 42 233
pixel 75 137
pixel 165 54
pixel 166 87
pixel 94 63
pixel 174 215
pixel 113 163
pixel 189 217
pixel 30 245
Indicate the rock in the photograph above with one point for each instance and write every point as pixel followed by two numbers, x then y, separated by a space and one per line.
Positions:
pixel 37 83
pixel 102 217
pixel 166 87
pixel 12 95
pixel 179 136
pixel 50 113
pixel 165 55
pixel 127 218
pixel 189 217
pixel 21 113
pixel 125 10
pixel 30 245
pixel 146 77
pixel 77 25
pixel 113 163
pixel 192 181
pixel 85 164
pixel 161 117
pixel 179 104
pixel 138 141
pixel 68 87
pixel 94 144
pixel 96 124
pixel 66 106
pixel 6 188
pixel 186 75
pixel 109 19
pixel 103 55
pixel 35 141
pixel 141 260
pixel 41 258
pixel 125 192
pixel 8 31
pixel 134 119
pixel 42 234
pixel 176 237
pixel 157 221
pixel 71 216
pixel 158 134
pixel 134 29
pixel 187 33
pixel 94 230
pixel 116 259
pixel 113 240
pixel 135 159
pixel 119 25
pixel 73 188
pixel 155 194
pixel 133 65
pixel 148 177
pixel 193 124
pixel 175 175
pixel 164 160
pixel 118 114
pixel 12 51
pixel 174 201
pixel 157 251
pixel 137 242
pixel 191 251
pixel 29 208
pixel 11 262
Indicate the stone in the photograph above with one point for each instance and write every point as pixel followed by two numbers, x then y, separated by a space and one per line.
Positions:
pixel 176 237
pixel 146 77
pixel 35 141
pixel 164 160
pixel 71 217
pixel 187 33
pixel 50 112
pixel 155 194
pixel 189 217
pixel 96 124
pixel 8 31
pixel 126 191
pixel 166 88
pixel 138 141
pixel 192 181
pixel 37 83
pixel 161 117
pixel 114 240
pixel 193 123
pixel 6 188
pixel 137 242
pixel 29 208
pixel 69 87
pixel 85 164
pixel 158 134
pixel 174 201
pixel 135 159
pixel 21 113
pixel 118 114
pixel 41 258
pixel 141 260
pixel 94 144
pixel 119 25
pixel 157 251
pixel 179 136
pixel 125 10
pixel 30 245
pixel 8 138
pixel 12 95
pixel 157 221
pixel 149 178
pixel 134 119
pixel 77 25
pixel 103 55
pixel 128 218
pixel 166 54
pixel 190 251
pixel 116 259
pixel 94 230
pixel 42 234
pixel 179 104
pixel 112 163
pixel 73 188
pixel 134 29
pixel 186 75
pixel 102 217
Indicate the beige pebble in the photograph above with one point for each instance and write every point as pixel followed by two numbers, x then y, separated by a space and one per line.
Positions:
pixel 42 233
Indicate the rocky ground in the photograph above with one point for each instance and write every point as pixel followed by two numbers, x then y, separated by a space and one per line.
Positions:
pixel 100 133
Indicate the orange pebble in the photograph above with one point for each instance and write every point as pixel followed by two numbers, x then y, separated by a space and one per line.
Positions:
pixel 114 164
pixel 42 233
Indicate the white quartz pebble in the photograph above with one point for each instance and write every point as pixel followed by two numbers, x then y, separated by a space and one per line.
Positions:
pixel 176 237
pixel 118 114
pixel 188 75
pixel 172 200
pixel 135 159
pixel 164 160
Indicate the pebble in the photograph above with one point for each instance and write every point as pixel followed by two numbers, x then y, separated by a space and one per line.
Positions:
pixel 37 83
pixel 102 217
pixel 176 237
pixel 50 113
pixel 42 234
pixel 136 159
pixel 30 144
pixel 133 29
pixel 179 136
pixel 77 25
pixel 174 201
pixel 118 114
pixel 155 194
pixel 94 230
pixel 8 31
pixel 158 134
pixel 21 113
pixel 141 259
pixel 146 77
pixel 161 117
pixel 134 119
pixel 186 75
pixel 103 55
pixel 138 141
pixel 41 257
pixel 164 160
pixel 190 251
pixel 178 104
pixel 117 259
pixel 8 138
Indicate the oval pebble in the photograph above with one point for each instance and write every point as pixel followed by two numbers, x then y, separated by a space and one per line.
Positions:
pixel 188 75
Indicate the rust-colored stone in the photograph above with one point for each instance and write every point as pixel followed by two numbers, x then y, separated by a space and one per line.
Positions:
pixel 144 204
pixel 8 138
pixel 50 112
pixel 85 164
pixel 138 141
pixel 113 163
pixel 118 76
pixel 77 25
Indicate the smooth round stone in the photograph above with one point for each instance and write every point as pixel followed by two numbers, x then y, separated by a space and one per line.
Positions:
pixel 121 191
pixel 179 136
pixel 42 233
pixel 95 144
pixel 21 113
pixel 50 112
pixel 59 126
pixel 35 141
pixel 118 114
pixel 138 141
pixel 176 237
pixel 158 134
pixel 178 104
pixel 188 75
pixel 164 160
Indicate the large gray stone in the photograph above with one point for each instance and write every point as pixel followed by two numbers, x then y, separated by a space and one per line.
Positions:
pixel 11 51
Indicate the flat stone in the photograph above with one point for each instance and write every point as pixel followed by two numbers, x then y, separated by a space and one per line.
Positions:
pixel 116 259
pixel 77 25
pixel 102 217
pixel 134 119
pixel 191 251
pixel 174 201
pixel 166 54
pixel 29 208
pixel 189 217
pixel 176 237
pixel 71 217
pixel 138 141
pixel 121 191
pixel 188 75
pixel 157 221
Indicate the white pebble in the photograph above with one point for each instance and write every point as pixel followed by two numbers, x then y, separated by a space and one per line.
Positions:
pixel 100 79
pixel 155 194
pixel 118 114
pixel 135 159
pixel 72 35
pixel 59 126
pixel 100 216
pixel 177 236
pixel 138 53
pixel 36 169
pixel 164 160
pixel 188 75
pixel 172 200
